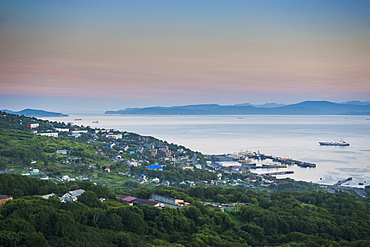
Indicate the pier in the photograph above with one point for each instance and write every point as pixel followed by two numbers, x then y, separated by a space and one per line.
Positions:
pixel 277 173
pixel 268 166
pixel 342 181
pixel 283 161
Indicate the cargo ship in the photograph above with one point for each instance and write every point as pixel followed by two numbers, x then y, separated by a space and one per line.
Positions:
pixel 340 143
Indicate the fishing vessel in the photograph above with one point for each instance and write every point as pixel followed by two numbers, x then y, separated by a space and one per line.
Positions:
pixel 339 143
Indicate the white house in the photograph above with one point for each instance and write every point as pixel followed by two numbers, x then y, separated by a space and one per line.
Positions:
pixel 34 125
pixel 72 196
pixel 228 163
pixel 111 135
pixel 79 131
pixel 52 134
pixel 62 130
pixel 62 151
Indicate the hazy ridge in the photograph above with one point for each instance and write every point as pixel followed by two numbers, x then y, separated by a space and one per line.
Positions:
pixel 303 108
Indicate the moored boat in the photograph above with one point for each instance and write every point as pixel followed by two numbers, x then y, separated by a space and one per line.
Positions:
pixel 339 143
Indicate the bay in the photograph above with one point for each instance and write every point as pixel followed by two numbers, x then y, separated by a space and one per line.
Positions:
pixel 295 136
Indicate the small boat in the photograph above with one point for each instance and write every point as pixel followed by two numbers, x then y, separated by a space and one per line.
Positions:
pixel 78 119
pixel 95 121
pixel 339 143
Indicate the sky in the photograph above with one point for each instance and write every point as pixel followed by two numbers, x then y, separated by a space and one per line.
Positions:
pixel 93 55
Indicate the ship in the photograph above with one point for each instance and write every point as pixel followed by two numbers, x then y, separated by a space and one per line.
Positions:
pixel 339 143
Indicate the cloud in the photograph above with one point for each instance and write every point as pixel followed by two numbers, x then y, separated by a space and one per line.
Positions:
pixel 20 68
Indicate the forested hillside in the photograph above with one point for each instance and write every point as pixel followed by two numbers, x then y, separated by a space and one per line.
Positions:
pixel 282 219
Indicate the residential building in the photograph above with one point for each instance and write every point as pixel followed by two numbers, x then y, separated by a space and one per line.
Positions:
pixel 79 131
pixel 52 134
pixel 62 129
pixel 4 199
pixel 32 126
pixel 72 196
pixel 167 199
pixel 48 196
pixel 155 167
pixel 228 163
pixel 128 199
pixel 62 151
pixel 114 136
pixel 139 201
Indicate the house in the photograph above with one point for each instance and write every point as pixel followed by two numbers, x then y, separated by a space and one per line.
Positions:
pixel 187 167
pixel 62 151
pixel 35 171
pixel 72 196
pixel 228 163
pixel 48 196
pixel 166 183
pixel 4 199
pixel 52 134
pixel 198 166
pixel 66 178
pixel 111 135
pixel 167 199
pixel 128 199
pixel 62 129
pixel 139 201
pixel 79 131
pixel 32 126
pixel 153 152
pixel 155 167
pixel 144 138
pixel 132 163
pixel 107 169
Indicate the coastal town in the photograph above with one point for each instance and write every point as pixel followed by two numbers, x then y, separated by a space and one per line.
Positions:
pixel 112 183
pixel 116 157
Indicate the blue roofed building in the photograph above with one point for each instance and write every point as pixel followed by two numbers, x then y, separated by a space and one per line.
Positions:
pixel 155 167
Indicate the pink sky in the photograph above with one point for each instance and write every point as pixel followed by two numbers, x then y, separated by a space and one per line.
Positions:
pixel 118 54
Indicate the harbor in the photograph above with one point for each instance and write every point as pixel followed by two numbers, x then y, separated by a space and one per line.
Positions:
pixel 273 136
pixel 255 163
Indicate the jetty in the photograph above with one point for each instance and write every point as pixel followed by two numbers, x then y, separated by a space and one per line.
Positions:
pixel 268 166
pixel 277 173
pixel 342 181
pixel 282 160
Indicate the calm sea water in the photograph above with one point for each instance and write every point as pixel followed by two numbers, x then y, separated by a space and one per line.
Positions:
pixel 296 137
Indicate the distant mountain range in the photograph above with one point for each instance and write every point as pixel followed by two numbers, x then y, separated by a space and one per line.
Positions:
pixel 303 108
pixel 36 113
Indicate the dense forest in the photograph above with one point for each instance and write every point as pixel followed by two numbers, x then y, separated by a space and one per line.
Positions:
pixel 279 219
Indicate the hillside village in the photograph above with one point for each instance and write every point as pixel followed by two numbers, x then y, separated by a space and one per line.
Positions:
pixel 125 154
pixel 65 152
